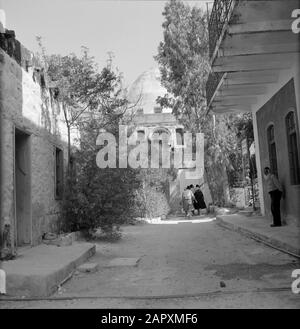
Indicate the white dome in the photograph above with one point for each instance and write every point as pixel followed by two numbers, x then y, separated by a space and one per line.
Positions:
pixel 146 88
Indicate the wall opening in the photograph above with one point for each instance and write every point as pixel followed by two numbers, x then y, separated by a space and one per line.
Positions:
pixel 179 137
pixel 157 109
pixel 272 150
pixel 59 173
pixel 22 188
pixel 292 140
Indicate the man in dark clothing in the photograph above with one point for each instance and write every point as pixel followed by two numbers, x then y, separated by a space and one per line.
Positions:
pixel 200 203
pixel 275 190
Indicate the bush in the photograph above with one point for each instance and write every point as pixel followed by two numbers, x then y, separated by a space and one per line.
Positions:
pixel 98 198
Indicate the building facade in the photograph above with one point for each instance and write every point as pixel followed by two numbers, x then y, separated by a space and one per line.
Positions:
pixel 149 119
pixel 255 60
pixel 32 147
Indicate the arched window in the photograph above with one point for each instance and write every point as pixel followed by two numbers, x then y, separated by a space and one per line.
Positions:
pixel 180 136
pixel 161 130
pixel 141 134
pixel 272 149
pixel 293 148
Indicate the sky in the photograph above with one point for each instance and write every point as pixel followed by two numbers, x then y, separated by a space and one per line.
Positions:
pixel 131 29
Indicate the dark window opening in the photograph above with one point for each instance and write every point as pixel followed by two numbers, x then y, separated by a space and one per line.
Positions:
pixel 157 109
pixel 293 148
pixel 141 134
pixel 272 150
pixel 179 136
pixel 140 111
pixel 59 173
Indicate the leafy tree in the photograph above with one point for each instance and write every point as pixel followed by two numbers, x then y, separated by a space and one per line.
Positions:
pixel 183 62
pixel 183 58
pixel 243 125
pixel 92 100
pixel 83 90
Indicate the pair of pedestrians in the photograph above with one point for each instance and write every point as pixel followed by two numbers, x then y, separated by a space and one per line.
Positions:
pixel 192 200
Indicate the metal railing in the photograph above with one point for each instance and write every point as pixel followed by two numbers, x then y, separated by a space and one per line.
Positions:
pixel 212 84
pixel 218 18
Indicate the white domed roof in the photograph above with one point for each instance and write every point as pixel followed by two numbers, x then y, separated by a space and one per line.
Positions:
pixel 147 87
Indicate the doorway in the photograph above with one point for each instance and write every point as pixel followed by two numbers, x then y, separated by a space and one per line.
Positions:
pixel 22 188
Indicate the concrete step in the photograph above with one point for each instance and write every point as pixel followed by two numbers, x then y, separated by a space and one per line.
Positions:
pixel 284 238
pixel 39 271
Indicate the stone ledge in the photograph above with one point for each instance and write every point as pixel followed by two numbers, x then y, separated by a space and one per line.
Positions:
pixel 38 271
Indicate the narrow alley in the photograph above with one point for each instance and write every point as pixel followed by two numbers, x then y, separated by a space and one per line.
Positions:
pixel 149 157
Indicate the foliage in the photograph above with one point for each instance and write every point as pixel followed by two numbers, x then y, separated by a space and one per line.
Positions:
pixel 84 90
pixel 98 197
pixel 243 125
pixel 92 100
pixel 183 61
pixel 155 191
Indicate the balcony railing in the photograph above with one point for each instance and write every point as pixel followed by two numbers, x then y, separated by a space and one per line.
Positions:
pixel 212 84
pixel 218 18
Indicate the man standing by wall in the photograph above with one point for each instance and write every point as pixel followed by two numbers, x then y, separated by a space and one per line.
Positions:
pixel 275 190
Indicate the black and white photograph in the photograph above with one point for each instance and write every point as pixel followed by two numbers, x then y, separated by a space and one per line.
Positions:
pixel 149 158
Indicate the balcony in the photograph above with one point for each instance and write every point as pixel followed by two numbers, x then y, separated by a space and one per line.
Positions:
pixel 251 46
pixel 219 19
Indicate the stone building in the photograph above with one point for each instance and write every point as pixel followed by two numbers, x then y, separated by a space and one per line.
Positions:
pixel 149 119
pixel 255 60
pixel 32 148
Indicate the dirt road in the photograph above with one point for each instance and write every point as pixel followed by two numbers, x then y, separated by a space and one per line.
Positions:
pixel 181 265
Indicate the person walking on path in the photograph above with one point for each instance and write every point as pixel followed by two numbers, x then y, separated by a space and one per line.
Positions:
pixel 199 197
pixel 187 201
pixel 192 188
pixel 275 190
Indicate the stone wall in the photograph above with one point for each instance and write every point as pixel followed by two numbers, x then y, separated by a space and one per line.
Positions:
pixel 29 107
pixel 274 112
